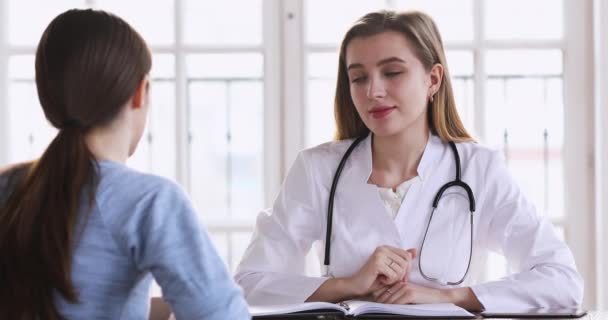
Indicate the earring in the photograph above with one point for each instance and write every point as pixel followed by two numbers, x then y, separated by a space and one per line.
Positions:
pixel 431 98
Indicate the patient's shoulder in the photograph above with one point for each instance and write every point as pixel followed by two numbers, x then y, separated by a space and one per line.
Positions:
pixel 9 177
pixel 14 168
pixel 12 173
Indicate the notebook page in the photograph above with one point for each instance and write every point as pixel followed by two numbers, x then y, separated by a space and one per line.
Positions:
pixel 268 310
pixel 422 310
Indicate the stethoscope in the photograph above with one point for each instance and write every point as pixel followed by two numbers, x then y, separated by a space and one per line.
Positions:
pixel 455 183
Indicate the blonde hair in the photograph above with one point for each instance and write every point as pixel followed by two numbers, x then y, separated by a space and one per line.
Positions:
pixel 423 35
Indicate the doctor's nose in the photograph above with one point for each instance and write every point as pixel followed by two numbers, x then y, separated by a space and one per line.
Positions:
pixel 376 89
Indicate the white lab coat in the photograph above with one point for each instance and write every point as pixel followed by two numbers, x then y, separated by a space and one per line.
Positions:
pixel 273 267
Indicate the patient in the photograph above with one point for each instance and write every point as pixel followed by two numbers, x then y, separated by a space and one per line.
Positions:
pixel 82 235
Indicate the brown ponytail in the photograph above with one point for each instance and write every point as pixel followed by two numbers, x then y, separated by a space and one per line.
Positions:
pixel 88 65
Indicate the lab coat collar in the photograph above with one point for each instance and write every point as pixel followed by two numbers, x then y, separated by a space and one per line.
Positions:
pixel 430 156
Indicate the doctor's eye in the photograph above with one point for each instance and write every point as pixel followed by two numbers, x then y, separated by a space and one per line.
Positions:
pixel 358 79
pixel 392 74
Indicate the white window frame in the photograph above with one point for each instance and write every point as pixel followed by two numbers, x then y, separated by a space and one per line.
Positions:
pixel 600 219
pixel 578 141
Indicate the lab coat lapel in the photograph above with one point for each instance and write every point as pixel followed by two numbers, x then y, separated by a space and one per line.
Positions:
pixel 415 208
pixel 365 204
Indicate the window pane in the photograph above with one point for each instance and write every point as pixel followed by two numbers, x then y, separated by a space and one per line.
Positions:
pixel 161 117
pixel 226 114
pixel 225 65
pixel 29 133
pixel 460 64
pixel 156 152
pixel 464 95
pixel 525 117
pixel 152 19
pixel 323 65
pixel 246 147
pixel 327 21
pixel 163 66
pixel 209 148
pixel 27 19
pixel 454 19
pixel 228 22
pixel 524 62
pixel 539 19
pixel 21 67
pixel 320 121
pixel 322 72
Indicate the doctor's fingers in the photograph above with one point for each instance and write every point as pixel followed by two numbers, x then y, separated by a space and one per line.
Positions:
pixel 385 261
pixel 404 295
pixel 390 256
pixel 407 258
pixel 402 257
pixel 398 264
pixel 408 254
pixel 393 293
pixel 390 276
pixel 375 295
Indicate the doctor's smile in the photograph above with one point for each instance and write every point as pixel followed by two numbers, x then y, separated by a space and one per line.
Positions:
pixel 381 111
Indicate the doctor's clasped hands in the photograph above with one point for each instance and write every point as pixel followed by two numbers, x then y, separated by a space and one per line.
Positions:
pixel 384 268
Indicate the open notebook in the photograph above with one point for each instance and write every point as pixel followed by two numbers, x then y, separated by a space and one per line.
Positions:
pixel 356 308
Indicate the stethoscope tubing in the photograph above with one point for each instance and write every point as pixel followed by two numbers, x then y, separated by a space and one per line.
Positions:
pixel 457 182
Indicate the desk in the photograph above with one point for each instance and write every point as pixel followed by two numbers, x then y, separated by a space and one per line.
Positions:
pixel 592 315
pixel 161 311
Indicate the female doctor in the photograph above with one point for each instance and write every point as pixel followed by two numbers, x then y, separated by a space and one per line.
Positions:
pixel 416 205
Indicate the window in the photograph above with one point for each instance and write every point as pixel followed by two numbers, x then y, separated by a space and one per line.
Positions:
pixel 236 93
pixel 29 131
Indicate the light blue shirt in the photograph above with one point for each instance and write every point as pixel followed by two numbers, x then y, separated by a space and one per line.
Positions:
pixel 143 226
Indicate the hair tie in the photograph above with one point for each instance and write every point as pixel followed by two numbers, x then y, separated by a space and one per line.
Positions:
pixel 71 124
